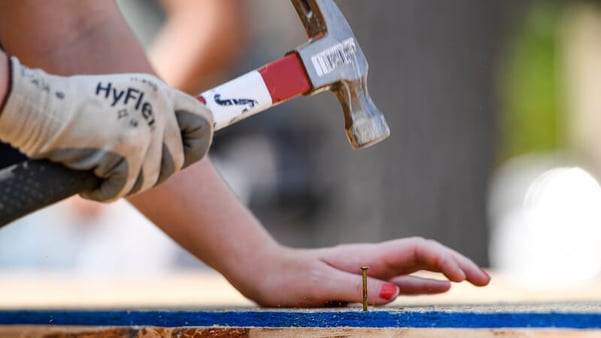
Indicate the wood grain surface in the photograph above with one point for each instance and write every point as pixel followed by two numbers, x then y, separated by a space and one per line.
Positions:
pixel 200 288
pixel 154 332
pixel 181 305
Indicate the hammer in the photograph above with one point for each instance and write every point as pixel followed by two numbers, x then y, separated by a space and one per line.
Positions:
pixel 330 60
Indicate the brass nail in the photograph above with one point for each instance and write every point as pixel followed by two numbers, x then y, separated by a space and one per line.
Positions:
pixel 364 271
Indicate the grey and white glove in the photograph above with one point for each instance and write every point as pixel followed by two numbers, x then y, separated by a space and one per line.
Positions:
pixel 132 130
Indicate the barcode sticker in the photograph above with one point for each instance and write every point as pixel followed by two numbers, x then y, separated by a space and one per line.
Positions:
pixel 328 60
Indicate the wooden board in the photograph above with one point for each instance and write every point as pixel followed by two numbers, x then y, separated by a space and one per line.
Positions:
pixel 568 316
pixel 42 289
pixel 186 332
pixel 47 304
pixel 502 320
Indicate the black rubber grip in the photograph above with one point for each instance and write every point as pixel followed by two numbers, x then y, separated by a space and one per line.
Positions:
pixel 34 184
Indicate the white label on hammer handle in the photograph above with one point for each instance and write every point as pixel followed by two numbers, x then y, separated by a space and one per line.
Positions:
pixel 238 99
pixel 340 54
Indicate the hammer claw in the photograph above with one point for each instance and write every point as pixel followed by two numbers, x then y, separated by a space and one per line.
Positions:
pixel 310 15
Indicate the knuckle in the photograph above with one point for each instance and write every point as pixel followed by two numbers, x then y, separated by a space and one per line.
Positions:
pixel 418 240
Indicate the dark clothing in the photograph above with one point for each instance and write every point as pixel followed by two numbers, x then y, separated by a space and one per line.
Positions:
pixel 9 155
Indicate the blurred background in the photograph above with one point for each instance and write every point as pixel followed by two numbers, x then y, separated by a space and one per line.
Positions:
pixel 494 150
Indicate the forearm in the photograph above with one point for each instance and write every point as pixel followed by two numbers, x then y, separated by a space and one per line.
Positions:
pixel 4 79
pixel 68 37
pixel 196 207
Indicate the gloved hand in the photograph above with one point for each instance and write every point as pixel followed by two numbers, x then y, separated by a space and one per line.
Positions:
pixel 130 129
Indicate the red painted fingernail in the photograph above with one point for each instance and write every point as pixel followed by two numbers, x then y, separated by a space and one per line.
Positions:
pixel 389 291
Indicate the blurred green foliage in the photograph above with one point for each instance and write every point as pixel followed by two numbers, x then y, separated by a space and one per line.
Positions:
pixel 532 118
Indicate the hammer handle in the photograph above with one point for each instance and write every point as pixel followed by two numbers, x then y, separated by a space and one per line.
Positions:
pixel 35 184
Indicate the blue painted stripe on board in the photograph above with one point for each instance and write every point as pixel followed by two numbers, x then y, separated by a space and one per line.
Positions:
pixel 275 318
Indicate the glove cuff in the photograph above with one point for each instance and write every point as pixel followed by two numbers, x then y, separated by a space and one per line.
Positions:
pixel 9 114
pixel 21 123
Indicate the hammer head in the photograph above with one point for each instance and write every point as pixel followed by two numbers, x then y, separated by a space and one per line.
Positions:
pixel 334 61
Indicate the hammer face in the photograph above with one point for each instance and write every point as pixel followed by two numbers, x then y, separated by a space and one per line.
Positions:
pixel 334 61
pixel 365 125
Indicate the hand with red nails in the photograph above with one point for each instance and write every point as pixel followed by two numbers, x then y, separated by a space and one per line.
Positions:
pixel 332 275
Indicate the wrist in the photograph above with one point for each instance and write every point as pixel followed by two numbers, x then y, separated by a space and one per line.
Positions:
pixel 5 80
pixel 253 274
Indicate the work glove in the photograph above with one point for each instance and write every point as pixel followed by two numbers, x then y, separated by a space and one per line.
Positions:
pixel 132 130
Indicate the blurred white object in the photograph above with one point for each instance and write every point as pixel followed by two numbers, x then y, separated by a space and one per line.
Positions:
pixel 114 240
pixel 546 223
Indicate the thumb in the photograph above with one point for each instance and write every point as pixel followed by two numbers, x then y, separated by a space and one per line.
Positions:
pixel 197 134
pixel 195 121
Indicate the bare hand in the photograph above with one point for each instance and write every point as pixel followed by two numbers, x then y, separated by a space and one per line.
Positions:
pixel 308 278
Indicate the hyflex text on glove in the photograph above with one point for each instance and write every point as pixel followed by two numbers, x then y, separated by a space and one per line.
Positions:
pixel 130 129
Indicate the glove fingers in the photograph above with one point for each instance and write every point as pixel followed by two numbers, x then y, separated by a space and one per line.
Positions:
pixel 169 165
pixel 114 168
pixel 197 135
pixel 196 124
